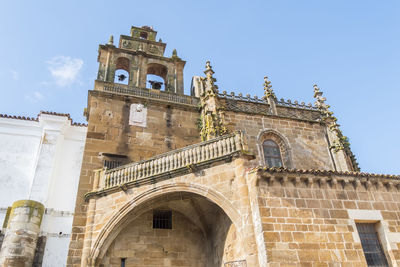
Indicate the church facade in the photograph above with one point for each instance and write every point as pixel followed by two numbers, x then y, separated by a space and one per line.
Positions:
pixel 218 179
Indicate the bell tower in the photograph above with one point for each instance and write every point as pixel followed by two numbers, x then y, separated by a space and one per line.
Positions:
pixel 139 61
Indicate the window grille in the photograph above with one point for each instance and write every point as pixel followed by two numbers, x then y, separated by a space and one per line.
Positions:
pixel 371 245
pixel 272 154
pixel 111 164
pixel 162 219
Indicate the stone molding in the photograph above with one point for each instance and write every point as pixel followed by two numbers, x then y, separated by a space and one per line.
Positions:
pixel 146 93
pixel 280 140
pixel 328 179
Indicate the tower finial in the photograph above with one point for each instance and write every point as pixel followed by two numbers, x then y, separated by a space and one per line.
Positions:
pixel 212 110
pixel 111 40
pixel 320 101
pixel 208 68
pixel 268 92
pixel 174 54
pixel 211 88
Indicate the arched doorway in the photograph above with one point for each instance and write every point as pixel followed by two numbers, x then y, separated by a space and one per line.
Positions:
pixel 199 233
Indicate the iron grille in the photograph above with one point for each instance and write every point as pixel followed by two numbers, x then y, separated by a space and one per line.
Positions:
pixel 371 246
pixel 162 219
pixel 111 164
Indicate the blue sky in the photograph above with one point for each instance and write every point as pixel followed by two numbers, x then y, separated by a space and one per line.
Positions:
pixel 48 56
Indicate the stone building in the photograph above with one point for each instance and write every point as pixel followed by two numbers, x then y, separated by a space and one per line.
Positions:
pixel 218 179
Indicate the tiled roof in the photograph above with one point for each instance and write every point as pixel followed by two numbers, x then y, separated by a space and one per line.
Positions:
pixel 324 172
pixel 18 117
pixel 43 112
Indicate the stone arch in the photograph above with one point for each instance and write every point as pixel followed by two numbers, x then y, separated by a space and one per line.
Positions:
pixel 157 70
pixel 122 66
pixel 122 63
pixel 138 204
pixel 281 141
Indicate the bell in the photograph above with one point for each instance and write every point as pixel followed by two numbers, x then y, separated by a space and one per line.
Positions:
pixel 155 85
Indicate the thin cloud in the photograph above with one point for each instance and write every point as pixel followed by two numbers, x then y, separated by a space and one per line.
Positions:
pixel 34 97
pixel 15 75
pixel 65 70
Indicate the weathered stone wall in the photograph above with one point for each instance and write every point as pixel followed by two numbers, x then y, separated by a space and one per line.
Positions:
pixel 310 219
pixel 226 243
pixel 19 244
pixel 167 128
pixel 304 141
pixel 141 245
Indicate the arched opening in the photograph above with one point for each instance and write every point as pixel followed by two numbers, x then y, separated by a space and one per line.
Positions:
pixel 274 149
pixel 156 76
pixel 122 71
pixel 199 233
pixel 143 35
pixel 155 82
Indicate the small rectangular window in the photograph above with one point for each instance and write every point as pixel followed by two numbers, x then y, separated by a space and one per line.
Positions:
pixel 110 164
pixel 162 219
pixel 371 245
pixel 123 260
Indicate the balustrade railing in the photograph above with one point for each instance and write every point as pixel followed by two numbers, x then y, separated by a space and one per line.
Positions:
pixel 148 93
pixel 186 157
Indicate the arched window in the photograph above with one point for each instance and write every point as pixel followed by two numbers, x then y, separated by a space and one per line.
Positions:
pixel 272 154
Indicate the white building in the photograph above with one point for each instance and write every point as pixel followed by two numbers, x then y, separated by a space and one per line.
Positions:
pixel 40 160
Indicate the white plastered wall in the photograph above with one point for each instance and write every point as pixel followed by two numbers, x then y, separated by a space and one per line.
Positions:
pixel 41 160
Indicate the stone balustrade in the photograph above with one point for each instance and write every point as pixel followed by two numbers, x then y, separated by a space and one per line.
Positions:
pixel 146 93
pixel 187 158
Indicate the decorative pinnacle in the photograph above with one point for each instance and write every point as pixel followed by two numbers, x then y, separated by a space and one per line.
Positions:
pixel 208 68
pixel 268 92
pixel 111 40
pixel 211 87
pixel 320 101
pixel 209 71
pixel 174 53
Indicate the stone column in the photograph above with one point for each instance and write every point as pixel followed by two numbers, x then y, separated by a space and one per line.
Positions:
pixel 22 232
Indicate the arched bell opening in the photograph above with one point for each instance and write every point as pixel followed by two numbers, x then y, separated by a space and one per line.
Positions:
pixel 175 229
pixel 156 76
pixel 155 82
pixel 122 71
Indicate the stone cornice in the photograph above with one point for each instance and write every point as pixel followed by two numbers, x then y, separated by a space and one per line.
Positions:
pixel 323 172
pixel 327 178
pixel 123 50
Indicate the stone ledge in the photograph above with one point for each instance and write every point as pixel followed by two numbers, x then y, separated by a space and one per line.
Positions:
pixel 327 178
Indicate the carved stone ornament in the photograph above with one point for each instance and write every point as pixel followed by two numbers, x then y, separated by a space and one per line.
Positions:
pixel 126 44
pixel 154 50
pixel 138 115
